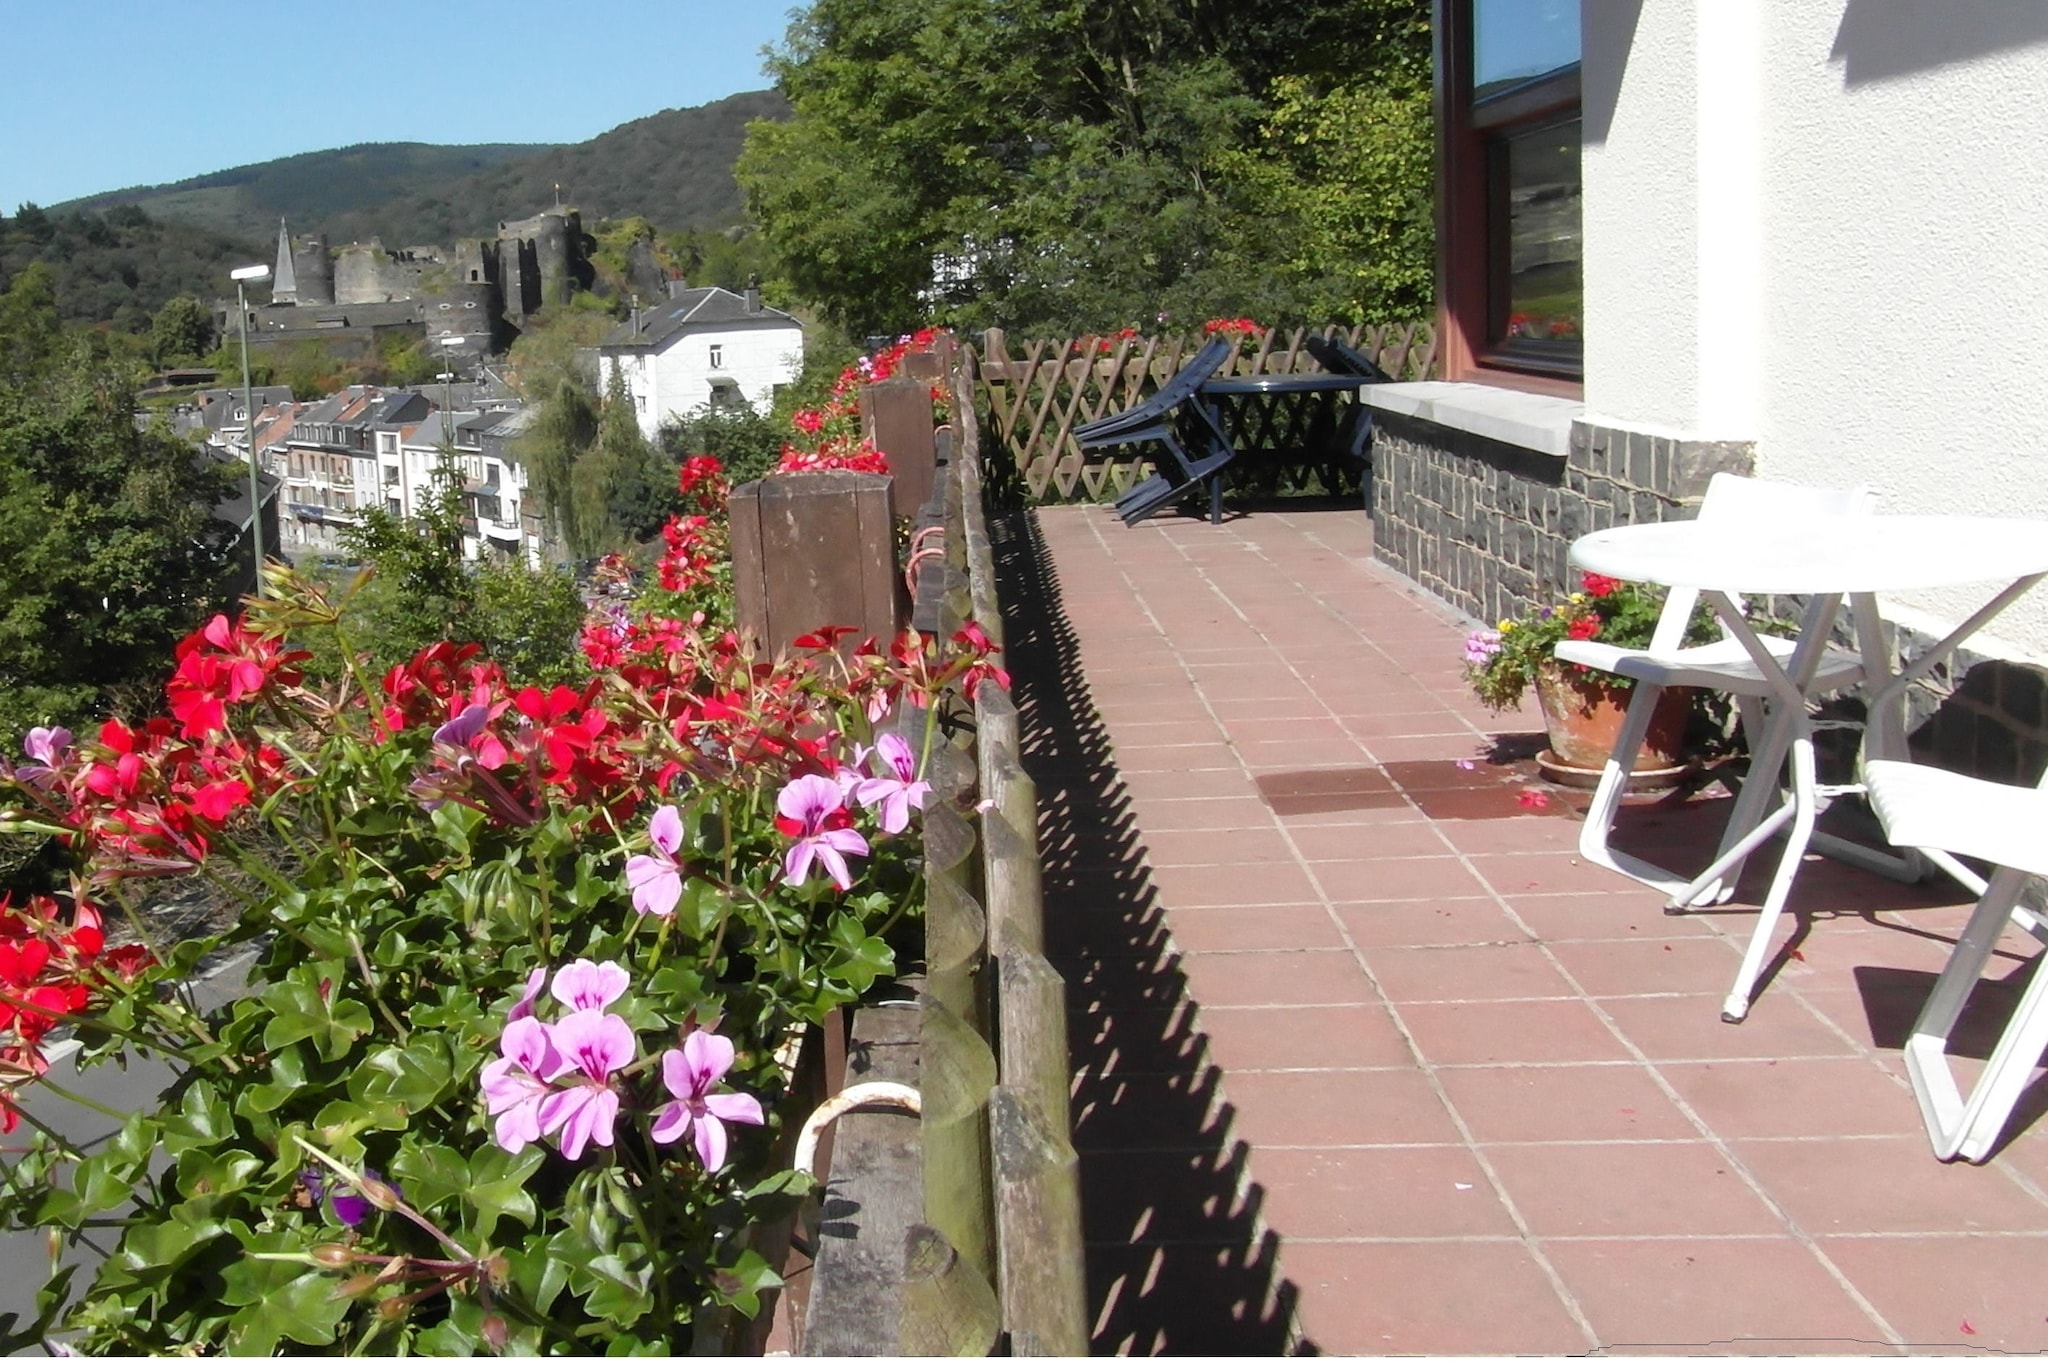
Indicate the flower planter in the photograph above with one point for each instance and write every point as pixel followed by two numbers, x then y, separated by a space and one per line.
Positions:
pixel 1583 712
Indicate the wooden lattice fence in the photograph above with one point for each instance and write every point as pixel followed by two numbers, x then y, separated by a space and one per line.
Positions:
pixel 1034 401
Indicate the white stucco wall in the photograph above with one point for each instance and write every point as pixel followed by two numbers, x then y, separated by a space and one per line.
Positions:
pixel 1823 226
pixel 677 379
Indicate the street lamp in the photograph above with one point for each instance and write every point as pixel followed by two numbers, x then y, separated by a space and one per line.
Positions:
pixel 241 278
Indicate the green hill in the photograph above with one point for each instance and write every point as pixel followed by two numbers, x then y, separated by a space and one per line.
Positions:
pixel 673 168
pixel 121 265
pixel 310 188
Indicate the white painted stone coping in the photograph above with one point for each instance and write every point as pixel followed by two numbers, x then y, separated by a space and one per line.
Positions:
pixel 1534 421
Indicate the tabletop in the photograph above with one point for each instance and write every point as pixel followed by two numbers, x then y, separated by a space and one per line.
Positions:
pixel 1283 383
pixel 1850 554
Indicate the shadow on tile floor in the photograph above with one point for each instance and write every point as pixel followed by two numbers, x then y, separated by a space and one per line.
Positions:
pixel 1178 1258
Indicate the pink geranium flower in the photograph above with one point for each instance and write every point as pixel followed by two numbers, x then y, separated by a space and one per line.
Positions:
pixel 586 985
pixel 689 1074
pixel 657 878
pixel 592 1046
pixel 516 1085
pixel 894 785
pixel 812 811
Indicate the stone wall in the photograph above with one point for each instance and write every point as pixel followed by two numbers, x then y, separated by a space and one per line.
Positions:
pixel 1485 525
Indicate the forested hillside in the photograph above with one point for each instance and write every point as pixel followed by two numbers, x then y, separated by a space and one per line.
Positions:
pixel 122 265
pixel 1059 165
pixel 308 189
pixel 673 168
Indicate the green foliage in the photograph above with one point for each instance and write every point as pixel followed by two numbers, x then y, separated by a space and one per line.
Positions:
pixel 181 332
pixel 109 549
pixel 622 484
pixel 1501 663
pixel 563 427
pixel 421 590
pixel 744 441
pixel 1086 167
pixel 121 266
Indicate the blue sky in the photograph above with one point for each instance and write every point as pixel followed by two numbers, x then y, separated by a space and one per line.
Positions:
pixel 104 94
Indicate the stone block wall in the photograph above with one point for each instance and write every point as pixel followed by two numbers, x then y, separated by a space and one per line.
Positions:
pixel 1485 525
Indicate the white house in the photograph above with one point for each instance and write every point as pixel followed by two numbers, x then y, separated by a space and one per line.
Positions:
pixel 703 347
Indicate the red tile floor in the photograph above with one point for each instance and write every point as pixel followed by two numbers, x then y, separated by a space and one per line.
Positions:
pixel 1368 1061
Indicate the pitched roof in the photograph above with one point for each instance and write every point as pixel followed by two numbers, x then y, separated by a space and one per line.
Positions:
pixel 693 310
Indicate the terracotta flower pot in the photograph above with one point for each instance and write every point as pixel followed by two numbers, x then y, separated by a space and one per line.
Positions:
pixel 1583 711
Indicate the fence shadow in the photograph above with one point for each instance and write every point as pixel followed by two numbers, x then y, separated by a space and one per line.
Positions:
pixel 1178 1258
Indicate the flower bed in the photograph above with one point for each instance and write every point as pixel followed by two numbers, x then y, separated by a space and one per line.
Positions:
pixel 511 1073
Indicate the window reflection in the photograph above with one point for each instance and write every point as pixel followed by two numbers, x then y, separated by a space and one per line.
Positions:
pixel 1518 40
pixel 1545 241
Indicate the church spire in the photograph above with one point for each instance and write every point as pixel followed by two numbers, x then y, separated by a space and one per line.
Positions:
pixel 284 281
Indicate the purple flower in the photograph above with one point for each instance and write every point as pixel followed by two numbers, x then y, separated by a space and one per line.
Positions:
pixel 657 878
pixel 812 811
pixel 689 1075
pixel 592 1046
pixel 894 785
pixel 586 985
pixel 516 1085
pixel 1481 646
pixel 523 1007
pixel 352 1208
pixel 47 746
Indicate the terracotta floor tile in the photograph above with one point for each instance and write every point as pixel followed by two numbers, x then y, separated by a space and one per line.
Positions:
pixel 1428 1298
pixel 1860 1185
pixel 1169 758
pixel 1977 1293
pixel 1537 874
pixel 1301 977
pixel 1689 1028
pixel 1635 914
pixel 1493 971
pixel 1651 966
pixel 1123 1041
pixel 1336 1109
pixel 1209 813
pixel 1563 1103
pixel 1378 1192
pixel 1239 884
pixel 1818 1098
pixel 1204 849
pixel 1280 755
pixel 1186 1299
pixel 1151 1111
pixel 1396 879
pixel 1630 1189
pixel 1375 724
pixel 1411 838
pixel 1220 929
pixel 1138 1197
pixel 1297 1037
pixel 1213 781
pixel 1425 923
pixel 1533 834
pixel 1394 748
pixel 1713 1297
pixel 1476 1032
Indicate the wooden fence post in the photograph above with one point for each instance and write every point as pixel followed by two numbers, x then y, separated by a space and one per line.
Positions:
pixel 896 415
pixel 812 550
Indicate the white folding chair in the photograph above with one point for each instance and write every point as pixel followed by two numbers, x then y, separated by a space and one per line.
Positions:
pixel 1945 812
pixel 1772 717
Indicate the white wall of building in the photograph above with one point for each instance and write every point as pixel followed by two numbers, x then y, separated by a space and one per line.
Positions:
pixel 1823 226
pixel 678 379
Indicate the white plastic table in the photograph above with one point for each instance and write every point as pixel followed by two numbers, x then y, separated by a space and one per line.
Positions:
pixel 1824 560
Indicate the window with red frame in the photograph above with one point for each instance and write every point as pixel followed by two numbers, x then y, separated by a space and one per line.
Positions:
pixel 1510 240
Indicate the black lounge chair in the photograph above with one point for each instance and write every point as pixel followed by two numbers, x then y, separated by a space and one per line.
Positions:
pixel 1164 418
pixel 1354 442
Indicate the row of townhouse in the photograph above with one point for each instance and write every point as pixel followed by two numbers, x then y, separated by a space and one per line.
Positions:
pixel 374 447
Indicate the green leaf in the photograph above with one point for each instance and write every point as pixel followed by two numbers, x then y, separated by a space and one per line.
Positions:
pixel 497 1188
pixel 310 1005
pixel 287 1081
pixel 304 1309
pixel 202 1120
pixel 407 1079
pixel 431 1175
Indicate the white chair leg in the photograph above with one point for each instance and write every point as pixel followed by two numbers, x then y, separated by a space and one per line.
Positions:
pixel 1736 1007
pixel 1968 1128
pixel 1769 740
pixel 1614 775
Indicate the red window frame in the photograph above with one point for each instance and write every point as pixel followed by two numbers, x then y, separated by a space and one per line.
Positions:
pixel 1471 213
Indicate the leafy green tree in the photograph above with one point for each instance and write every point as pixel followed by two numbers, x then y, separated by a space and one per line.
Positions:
pixel 109 549
pixel 564 426
pixel 622 488
pixel 746 442
pixel 181 332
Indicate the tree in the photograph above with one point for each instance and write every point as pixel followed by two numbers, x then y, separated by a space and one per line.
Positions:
pixel 743 440
pixel 564 426
pixel 109 548
pixel 1079 165
pixel 181 332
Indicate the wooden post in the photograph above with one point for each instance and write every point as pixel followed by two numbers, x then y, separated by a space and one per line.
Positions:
pixel 813 550
pixel 896 415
